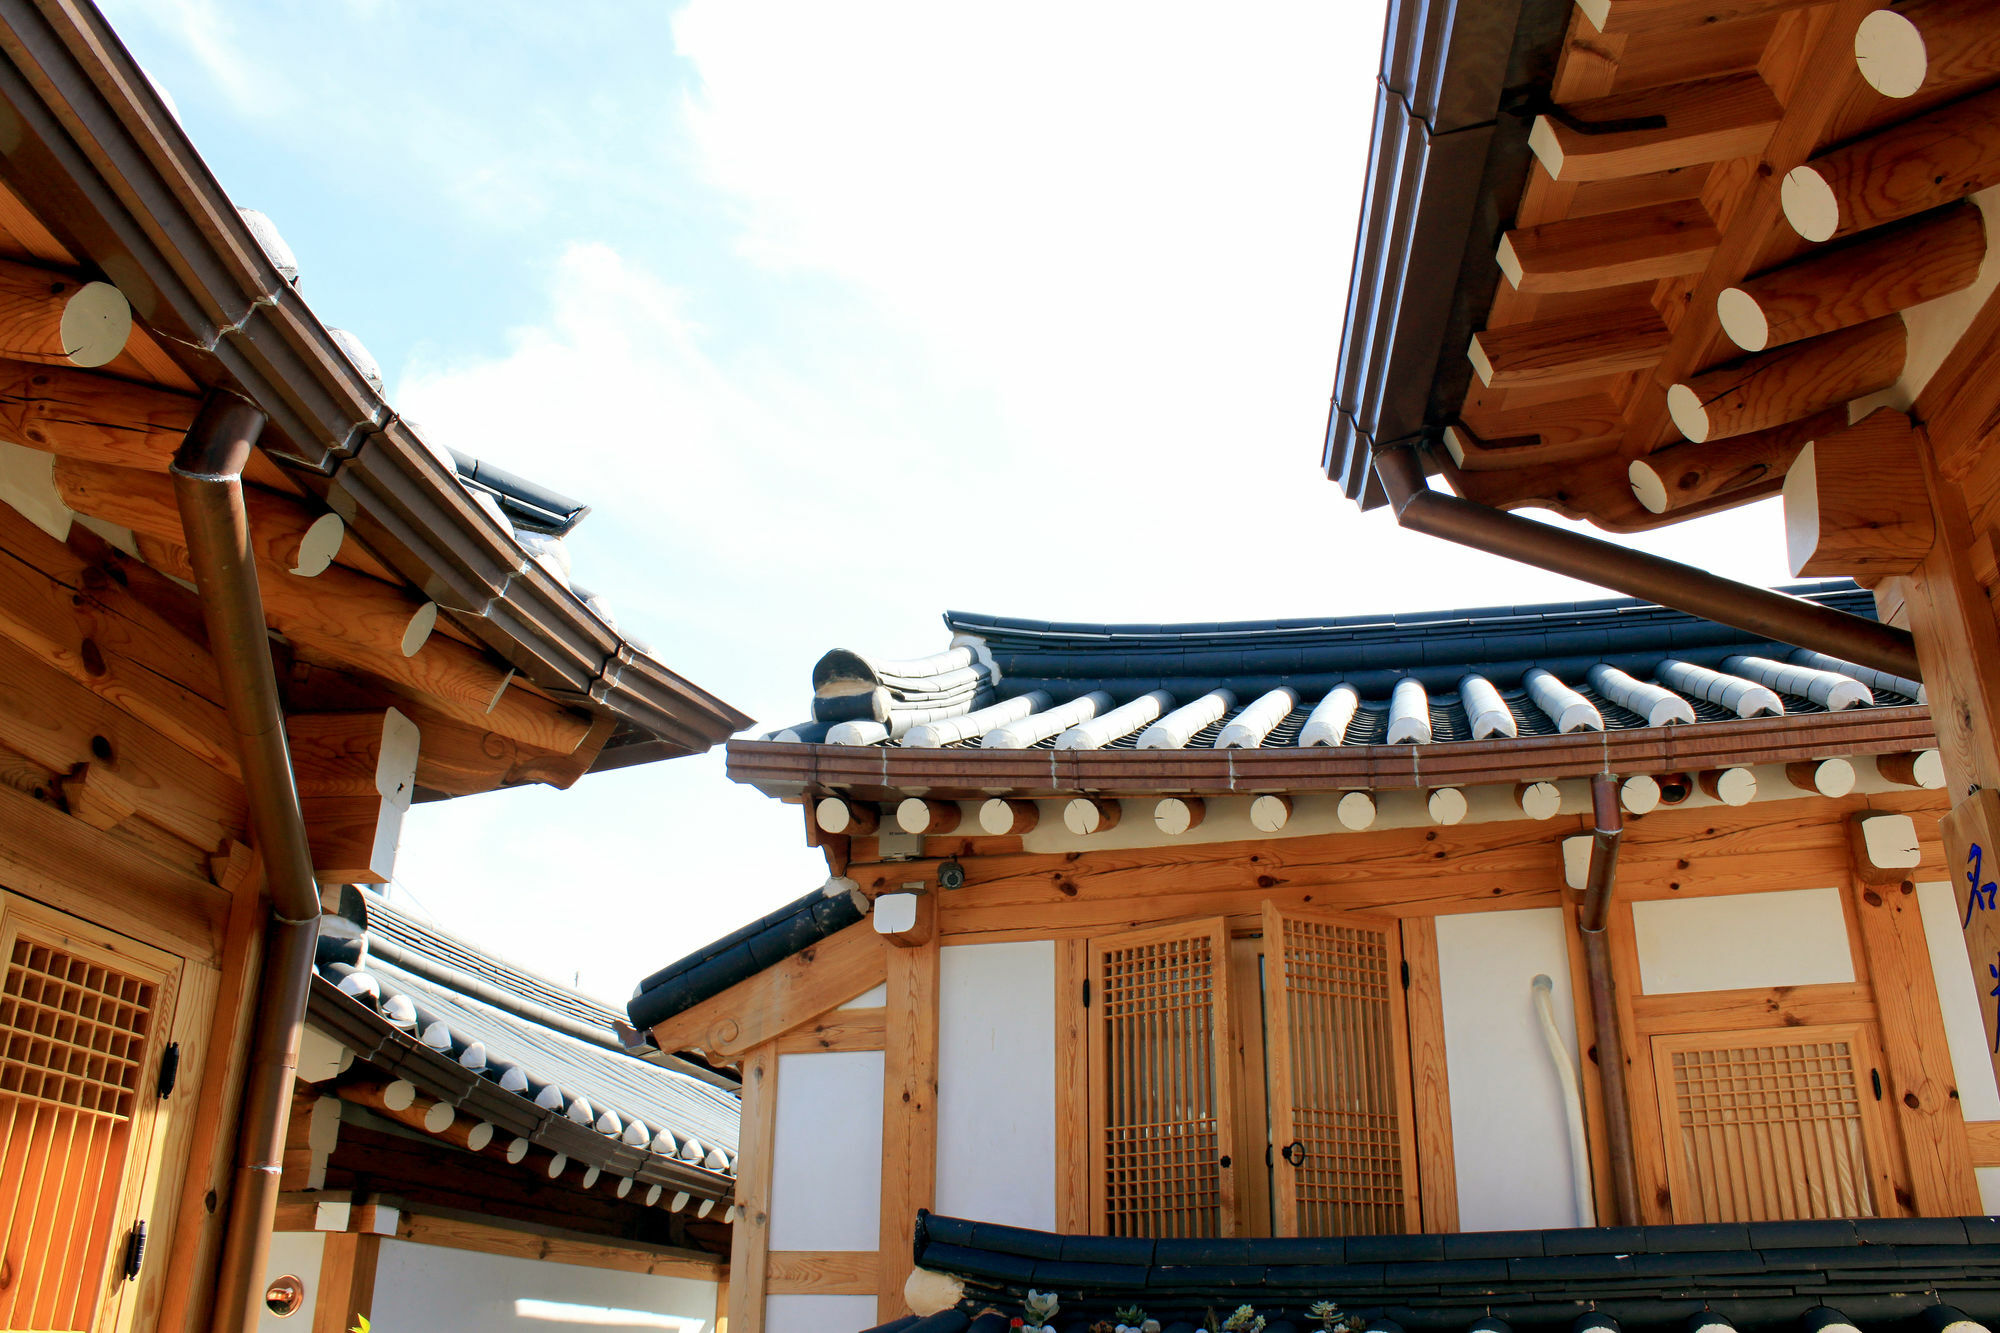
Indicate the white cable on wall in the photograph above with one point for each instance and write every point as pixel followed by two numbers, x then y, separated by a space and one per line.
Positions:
pixel 1579 1146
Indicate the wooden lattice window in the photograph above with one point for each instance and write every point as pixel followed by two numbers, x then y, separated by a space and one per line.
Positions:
pixel 78 1023
pixel 1772 1124
pixel 1338 1051
pixel 1161 1099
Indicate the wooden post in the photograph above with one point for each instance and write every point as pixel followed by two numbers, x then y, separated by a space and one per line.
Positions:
pixel 750 1237
pixel 909 1115
pixel 1954 152
pixel 346 1281
pixel 1922 1093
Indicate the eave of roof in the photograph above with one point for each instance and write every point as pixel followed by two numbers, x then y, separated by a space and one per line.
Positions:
pixel 875 772
pixel 1446 167
pixel 1756 1276
pixel 437 1075
pixel 122 185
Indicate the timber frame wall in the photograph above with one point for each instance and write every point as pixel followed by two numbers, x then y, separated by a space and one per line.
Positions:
pixel 1411 874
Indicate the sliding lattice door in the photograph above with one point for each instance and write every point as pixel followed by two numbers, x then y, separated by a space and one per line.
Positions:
pixel 1773 1124
pixel 1161 1099
pixel 81 1018
pixel 1345 1160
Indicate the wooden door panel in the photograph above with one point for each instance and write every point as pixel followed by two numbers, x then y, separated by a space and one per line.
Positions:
pixel 1340 1085
pixel 1772 1124
pixel 1162 1094
pixel 83 1016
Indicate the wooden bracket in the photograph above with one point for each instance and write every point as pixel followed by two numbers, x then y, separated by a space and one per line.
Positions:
pixel 1882 848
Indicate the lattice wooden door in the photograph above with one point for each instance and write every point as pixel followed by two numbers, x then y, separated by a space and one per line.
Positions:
pixel 82 1018
pixel 1771 1124
pixel 1161 1101
pixel 1346 1160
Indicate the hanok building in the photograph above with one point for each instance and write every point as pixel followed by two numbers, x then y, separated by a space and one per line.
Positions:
pixel 1640 260
pixel 471 1144
pixel 1363 960
pixel 248 617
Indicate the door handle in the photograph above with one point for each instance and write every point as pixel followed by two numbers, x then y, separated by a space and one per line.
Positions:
pixel 1295 1153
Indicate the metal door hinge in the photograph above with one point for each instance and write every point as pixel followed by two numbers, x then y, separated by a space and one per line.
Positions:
pixel 1875 1077
pixel 135 1251
pixel 170 1069
pixel 1406 974
pixel 1086 992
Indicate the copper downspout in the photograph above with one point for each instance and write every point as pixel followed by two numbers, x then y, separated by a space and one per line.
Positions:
pixel 1774 615
pixel 1601 883
pixel 208 483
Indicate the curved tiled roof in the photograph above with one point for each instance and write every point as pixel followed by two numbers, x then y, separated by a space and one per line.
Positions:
pixel 534 1058
pixel 1426 678
pixel 1912 1274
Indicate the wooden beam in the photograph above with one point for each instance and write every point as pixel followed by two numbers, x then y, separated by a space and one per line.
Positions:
pixel 1706 121
pixel 1002 818
pixel 917 815
pixel 1754 393
pixel 1881 272
pixel 1922 1093
pixel 1882 848
pixel 348 618
pixel 906 920
pixel 346 1281
pixel 57 319
pixel 89 629
pixel 1683 475
pixel 764 1007
pixel 1984 1136
pixel 459 1233
pixel 287 533
pixel 371 753
pixel 1731 786
pixel 1175 815
pixel 1437 1171
pixel 1609 249
pixel 837 814
pixel 750 1238
pixel 1928 49
pixel 841 1030
pixel 1920 164
pixel 1912 768
pixel 75 414
pixel 1085 815
pixel 1856 503
pixel 909 1115
pixel 64 862
pixel 1619 17
pixel 1826 777
pixel 821 1273
pixel 1553 351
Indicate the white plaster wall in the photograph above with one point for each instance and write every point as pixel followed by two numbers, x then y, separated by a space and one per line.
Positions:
pixel 1510 1131
pixel 818 1314
pixel 1989 1188
pixel 1796 937
pixel 297 1253
pixel 436 1290
pixel 873 999
pixel 826 1165
pixel 997 1083
pixel 1960 998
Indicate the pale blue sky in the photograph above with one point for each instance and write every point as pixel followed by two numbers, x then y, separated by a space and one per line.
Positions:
pixel 839 315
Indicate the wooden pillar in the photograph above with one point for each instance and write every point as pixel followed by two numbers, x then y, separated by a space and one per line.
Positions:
pixel 750 1239
pixel 722 1302
pixel 1437 1169
pixel 1073 1182
pixel 1958 649
pixel 909 1114
pixel 1922 1092
pixel 346 1281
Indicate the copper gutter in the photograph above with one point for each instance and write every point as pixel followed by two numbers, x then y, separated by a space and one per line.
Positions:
pixel 208 483
pixel 1601 883
pixel 1668 582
